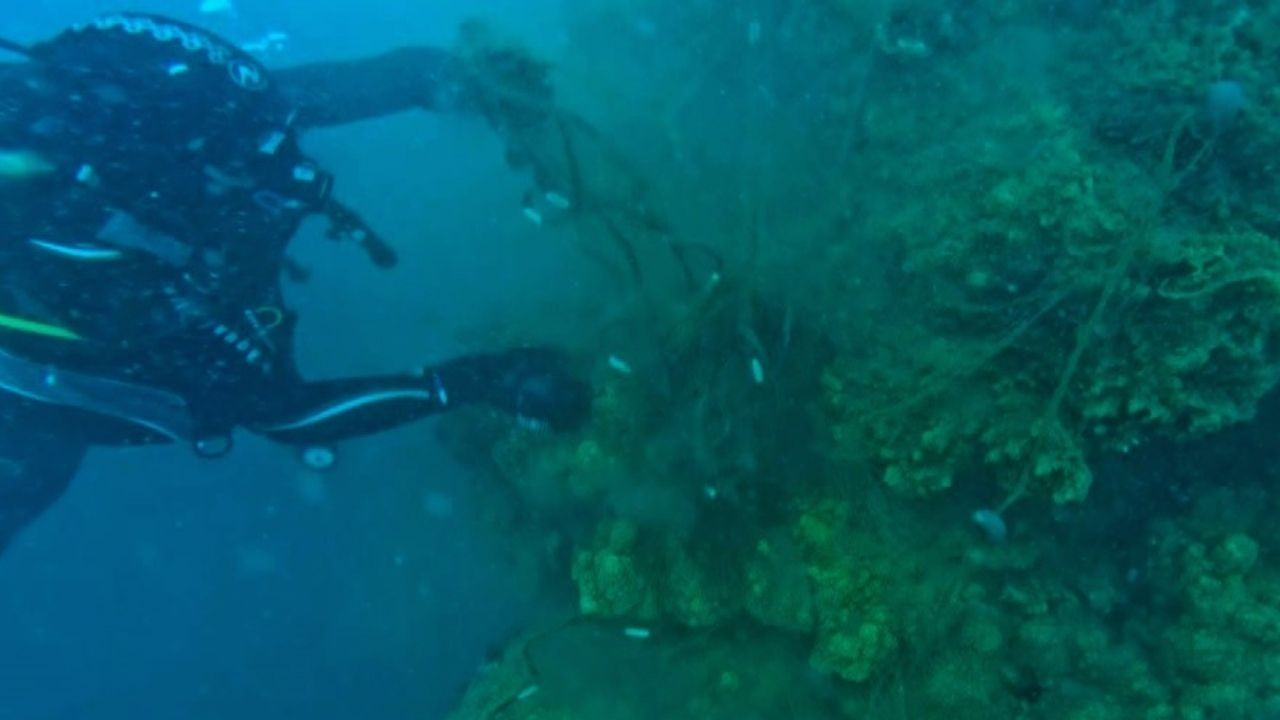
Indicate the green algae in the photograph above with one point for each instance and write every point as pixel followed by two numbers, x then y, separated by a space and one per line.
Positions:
pixel 593 670
pixel 1015 283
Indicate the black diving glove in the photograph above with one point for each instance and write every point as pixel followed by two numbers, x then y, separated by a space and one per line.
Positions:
pixel 512 91
pixel 533 384
pixel 505 84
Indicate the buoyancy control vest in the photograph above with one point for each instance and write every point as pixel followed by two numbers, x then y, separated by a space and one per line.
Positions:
pixel 187 134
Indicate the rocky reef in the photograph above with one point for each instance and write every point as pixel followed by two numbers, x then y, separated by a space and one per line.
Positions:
pixel 990 256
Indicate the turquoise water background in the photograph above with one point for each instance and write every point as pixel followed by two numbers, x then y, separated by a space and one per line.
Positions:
pixel 163 586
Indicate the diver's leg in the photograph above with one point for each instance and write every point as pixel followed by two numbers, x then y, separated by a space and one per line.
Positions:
pixel 37 462
pixel 532 383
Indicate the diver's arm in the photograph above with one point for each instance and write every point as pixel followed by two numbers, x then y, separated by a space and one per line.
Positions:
pixel 504 85
pixel 531 383
pixel 334 93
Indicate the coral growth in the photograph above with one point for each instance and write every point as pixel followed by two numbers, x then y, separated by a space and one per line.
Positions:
pixel 1065 313
pixel 958 277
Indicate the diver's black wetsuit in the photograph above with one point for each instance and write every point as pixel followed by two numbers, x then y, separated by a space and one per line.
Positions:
pixel 151 181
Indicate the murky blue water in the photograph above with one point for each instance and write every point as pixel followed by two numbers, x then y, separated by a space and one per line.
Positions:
pixel 934 347
pixel 163 586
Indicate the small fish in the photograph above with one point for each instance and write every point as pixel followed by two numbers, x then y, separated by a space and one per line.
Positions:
pixel 991 524
pixel 557 201
pixel 618 365
pixel 23 164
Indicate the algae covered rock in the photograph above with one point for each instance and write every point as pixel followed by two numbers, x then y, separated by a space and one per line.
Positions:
pixel 1236 554
pixel 612 575
pixel 633 573
pixel 582 669
pixel 1021 282
pixel 1222 635
pixel 853 645
pixel 854 633
pixel 778 588
pixel 700 589
pixel 1063 313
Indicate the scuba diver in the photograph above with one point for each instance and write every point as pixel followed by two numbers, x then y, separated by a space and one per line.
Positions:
pixel 150 180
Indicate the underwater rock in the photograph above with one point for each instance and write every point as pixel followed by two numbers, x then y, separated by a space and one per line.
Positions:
pixel 854 636
pixel 1236 554
pixel 1194 346
pixel 699 591
pixel 853 649
pixel 1013 273
pixel 610 576
pixel 777 587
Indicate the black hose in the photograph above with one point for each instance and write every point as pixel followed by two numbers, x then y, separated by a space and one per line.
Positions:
pixel 15 47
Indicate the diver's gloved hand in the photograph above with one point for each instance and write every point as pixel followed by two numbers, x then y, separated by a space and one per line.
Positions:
pixel 534 384
pixel 512 90
pixel 505 84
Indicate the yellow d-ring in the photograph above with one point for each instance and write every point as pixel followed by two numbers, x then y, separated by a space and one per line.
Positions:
pixel 273 317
